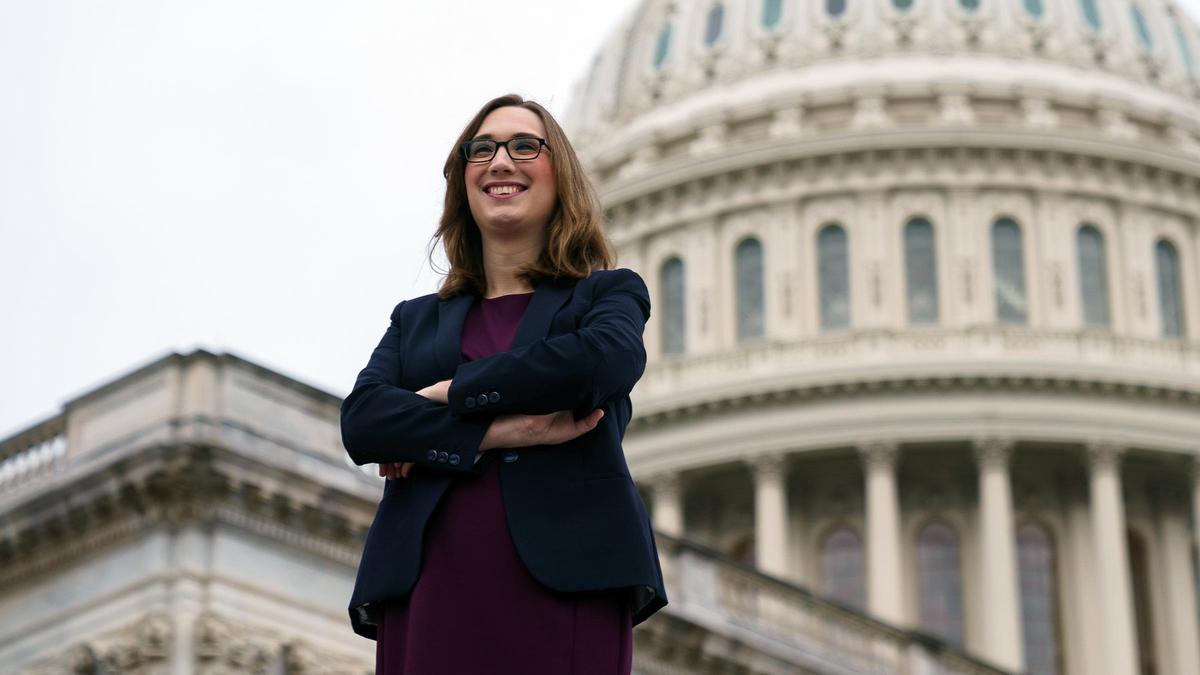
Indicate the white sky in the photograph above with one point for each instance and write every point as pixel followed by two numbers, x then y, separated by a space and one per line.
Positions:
pixel 256 177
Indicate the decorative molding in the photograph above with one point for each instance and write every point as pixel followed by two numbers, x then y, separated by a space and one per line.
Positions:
pixel 141 647
pixel 992 452
pixel 878 455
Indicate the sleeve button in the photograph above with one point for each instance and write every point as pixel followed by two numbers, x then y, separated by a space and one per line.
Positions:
pixel 454 459
pixel 431 455
pixel 482 400
pixel 442 456
pixel 469 402
pixel 493 397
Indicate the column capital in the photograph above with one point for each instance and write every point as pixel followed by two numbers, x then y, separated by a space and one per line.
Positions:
pixel 878 454
pixel 666 484
pixel 1103 455
pixel 768 465
pixel 992 452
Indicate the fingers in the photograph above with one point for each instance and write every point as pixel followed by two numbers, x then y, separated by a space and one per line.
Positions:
pixel 405 468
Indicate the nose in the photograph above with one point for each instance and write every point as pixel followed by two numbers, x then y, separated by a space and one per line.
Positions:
pixel 505 163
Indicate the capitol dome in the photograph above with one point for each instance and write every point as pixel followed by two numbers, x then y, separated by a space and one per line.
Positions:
pixel 925 336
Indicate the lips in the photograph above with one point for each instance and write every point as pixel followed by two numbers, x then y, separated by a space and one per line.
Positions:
pixel 503 190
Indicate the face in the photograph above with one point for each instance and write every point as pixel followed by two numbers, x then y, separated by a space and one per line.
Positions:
pixel 536 195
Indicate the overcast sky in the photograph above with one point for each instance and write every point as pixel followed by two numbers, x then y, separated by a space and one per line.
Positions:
pixel 253 176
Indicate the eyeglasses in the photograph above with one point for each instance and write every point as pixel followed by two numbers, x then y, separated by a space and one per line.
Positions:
pixel 521 148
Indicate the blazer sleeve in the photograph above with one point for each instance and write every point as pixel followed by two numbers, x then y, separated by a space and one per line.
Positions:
pixel 381 422
pixel 581 370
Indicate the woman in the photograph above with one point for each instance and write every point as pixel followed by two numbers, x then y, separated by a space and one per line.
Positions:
pixel 510 537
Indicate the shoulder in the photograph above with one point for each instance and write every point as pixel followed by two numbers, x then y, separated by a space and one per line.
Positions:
pixel 621 281
pixel 414 306
pixel 621 278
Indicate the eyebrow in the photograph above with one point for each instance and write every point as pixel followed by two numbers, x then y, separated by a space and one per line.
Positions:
pixel 489 137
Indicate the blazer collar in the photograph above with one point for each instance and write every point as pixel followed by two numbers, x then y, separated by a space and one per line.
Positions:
pixel 535 324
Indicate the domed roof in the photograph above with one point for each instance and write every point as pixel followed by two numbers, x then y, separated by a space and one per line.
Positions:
pixel 684 57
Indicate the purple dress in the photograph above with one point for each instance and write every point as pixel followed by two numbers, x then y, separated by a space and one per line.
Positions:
pixel 475 608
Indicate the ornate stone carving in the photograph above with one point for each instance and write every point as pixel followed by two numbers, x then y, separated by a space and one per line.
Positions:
pixel 878 454
pixel 222 648
pixel 1104 455
pixel 139 648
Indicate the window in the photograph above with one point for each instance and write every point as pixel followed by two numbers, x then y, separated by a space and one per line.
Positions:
pixel 1008 271
pixel 1093 276
pixel 968 5
pixel 1039 599
pixel 842 567
pixel 663 46
pixel 833 277
pixel 835 8
pixel 712 23
pixel 940 576
pixel 1091 13
pixel 1170 299
pixel 671 277
pixel 1139 23
pixel 1034 8
pixel 749 266
pixel 902 5
pixel 920 269
pixel 772 10
pixel 1186 51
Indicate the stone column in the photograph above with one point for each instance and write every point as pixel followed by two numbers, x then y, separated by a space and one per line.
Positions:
pixel 667 504
pixel 770 515
pixel 1114 593
pixel 883 531
pixel 1002 643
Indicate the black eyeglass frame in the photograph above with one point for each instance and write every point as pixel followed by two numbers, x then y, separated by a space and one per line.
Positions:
pixel 467 145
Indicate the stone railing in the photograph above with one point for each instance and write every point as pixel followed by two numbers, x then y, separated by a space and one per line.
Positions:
pixel 791 624
pixel 33 453
pixel 871 354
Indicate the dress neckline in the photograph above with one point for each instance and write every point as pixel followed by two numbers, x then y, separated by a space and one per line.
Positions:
pixel 510 295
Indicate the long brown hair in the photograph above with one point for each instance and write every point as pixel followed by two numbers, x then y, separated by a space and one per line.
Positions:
pixel 575 242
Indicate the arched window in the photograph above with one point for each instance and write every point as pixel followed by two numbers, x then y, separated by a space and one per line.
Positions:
pixel 663 46
pixel 1039 599
pixel 1186 51
pixel 673 306
pixel 940 576
pixel 1091 13
pixel 712 23
pixel 920 270
pixel 835 8
pixel 968 5
pixel 1143 30
pixel 1093 275
pixel 1139 574
pixel 833 277
pixel 1034 8
pixel 1008 269
pixel 772 10
pixel 749 264
pixel 1170 298
pixel 842 567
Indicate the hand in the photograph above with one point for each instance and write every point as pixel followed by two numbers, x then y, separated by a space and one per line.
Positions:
pixel 516 431
pixel 439 392
pixel 395 470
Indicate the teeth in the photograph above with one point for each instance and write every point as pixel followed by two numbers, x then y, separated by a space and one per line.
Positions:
pixel 503 190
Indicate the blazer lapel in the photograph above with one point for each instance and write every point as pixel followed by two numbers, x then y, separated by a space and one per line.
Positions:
pixel 535 324
pixel 447 349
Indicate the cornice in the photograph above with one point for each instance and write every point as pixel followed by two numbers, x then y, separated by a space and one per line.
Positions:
pixel 173 486
pixel 668 415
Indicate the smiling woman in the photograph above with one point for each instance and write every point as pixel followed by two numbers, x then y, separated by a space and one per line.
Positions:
pixel 533 344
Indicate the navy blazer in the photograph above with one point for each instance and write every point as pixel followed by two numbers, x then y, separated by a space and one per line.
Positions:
pixel 574 513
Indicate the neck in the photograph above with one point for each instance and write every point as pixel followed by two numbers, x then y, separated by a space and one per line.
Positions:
pixel 501 259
